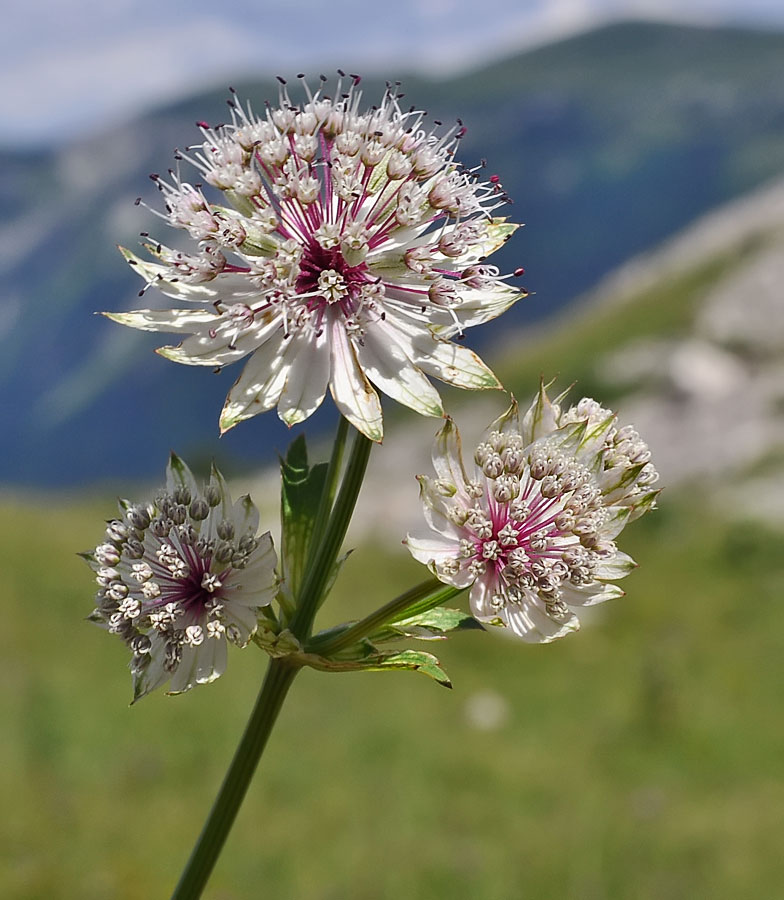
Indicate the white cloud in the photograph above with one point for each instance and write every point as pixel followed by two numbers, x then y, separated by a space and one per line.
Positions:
pixel 70 64
pixel 72 84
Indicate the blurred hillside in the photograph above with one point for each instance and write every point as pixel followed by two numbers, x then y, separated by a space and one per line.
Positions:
pixel 608 142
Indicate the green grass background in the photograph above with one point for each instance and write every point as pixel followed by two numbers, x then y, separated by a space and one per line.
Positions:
pixel 641 758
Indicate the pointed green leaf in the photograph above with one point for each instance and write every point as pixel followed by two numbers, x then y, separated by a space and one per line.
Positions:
pixel 415 660
pixel 301 489
pixel 431 625
pixel 441 618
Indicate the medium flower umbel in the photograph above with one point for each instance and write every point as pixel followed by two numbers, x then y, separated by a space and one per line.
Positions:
pixel 181 577
pixel 350 248
pixel 532 532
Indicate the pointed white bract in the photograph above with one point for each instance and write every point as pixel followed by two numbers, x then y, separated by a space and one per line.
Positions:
pixel 350 249
pixel 182 577
pixel 532 529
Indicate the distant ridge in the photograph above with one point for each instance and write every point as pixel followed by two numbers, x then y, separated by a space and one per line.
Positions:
pixel 759 213
pixel 609 142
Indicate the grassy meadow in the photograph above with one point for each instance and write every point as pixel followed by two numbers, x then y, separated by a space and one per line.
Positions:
pixel 641 758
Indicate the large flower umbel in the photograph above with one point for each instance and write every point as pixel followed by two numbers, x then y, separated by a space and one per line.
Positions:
pixel 180 578
pixel 533 531
pixel 349 249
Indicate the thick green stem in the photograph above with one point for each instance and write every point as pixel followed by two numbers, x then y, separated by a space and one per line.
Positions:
pixel 324 554
pixel 277 682
pixel 417 600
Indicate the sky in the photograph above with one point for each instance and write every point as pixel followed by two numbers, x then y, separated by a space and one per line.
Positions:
pixel 73 66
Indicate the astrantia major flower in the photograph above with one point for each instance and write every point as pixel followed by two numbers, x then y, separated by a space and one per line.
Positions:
pixel 181 577
pixel 349 249
pixel 532 532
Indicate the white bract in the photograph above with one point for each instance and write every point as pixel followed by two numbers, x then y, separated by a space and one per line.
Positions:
pixel 180 578
pixel 350 249
pixel 533 531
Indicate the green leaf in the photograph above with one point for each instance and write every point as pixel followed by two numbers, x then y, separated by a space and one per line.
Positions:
pixel 301 488
pixel 441 618
pixel 414 660
pixel 437 593
pixel 432 625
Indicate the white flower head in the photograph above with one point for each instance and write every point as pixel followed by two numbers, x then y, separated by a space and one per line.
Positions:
pixel 180 578
pixel 532 532
pixel 349 248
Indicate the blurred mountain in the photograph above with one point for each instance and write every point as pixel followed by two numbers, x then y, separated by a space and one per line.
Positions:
pixel 608 142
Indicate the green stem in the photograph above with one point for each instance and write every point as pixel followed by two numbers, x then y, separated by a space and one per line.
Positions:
pixel 280 675
pixel 330 483
pixel 323 555
pixel 417 600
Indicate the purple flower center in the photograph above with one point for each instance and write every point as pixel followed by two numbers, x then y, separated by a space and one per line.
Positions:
pixel 185 579
pixel 327 274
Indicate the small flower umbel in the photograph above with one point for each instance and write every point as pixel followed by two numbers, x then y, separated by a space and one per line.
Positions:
pixel 532 533
pixel 349 249
pixel 180 578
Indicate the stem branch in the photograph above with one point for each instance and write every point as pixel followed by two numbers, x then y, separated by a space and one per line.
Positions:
pixel 416 600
